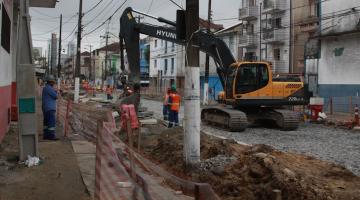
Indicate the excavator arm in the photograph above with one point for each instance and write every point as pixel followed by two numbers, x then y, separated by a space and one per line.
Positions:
pixel 130 31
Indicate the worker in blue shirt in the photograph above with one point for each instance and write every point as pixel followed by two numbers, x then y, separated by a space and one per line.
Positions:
pixel 49 96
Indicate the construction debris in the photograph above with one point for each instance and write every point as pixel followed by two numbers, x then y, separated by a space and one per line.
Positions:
pixel 251 172
pixel 32 161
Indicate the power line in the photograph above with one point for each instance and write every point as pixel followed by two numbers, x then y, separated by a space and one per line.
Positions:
pixel 151 3
pixel 102 11
pixel 108 19
pixel 176 4
pixel 43 14
pixel 91 9
pixel 71 32
pixel 52 30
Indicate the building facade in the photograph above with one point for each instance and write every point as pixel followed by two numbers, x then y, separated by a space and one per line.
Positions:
pixel 336 67
pixel 6 52
pixel 167 63
pixel 266 33
pixel 14 30
pixel 145 61
pixel 163 57
pixel 53 52
pixel 305 25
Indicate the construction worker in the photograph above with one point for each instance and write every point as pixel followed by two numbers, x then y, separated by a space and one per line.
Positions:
pixel 109 92
pixel 174 103
pixel 49 96
pixel 166 108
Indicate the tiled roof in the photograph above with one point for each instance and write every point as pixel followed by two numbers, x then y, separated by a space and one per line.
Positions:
pixel 204 24
pixel 111 47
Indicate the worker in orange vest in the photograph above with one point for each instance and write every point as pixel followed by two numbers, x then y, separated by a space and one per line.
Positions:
pixel 174 103
pixel 166 108
pixel 109 92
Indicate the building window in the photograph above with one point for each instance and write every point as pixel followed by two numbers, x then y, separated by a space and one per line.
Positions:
pixel 231 42
pixel 172 46
pixel 155 43
pixel 267 4
pixel 155 63
pixel 165 66
pixel 250 29
pixel 166 46
pixel 277 55
pixel 277 23
pixel 5 30
pixel 172 65
pixel 263 54
pixel 252 2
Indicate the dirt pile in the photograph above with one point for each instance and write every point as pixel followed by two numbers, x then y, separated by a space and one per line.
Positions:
pixel 259 171
pixel 167 148
pixel 252 172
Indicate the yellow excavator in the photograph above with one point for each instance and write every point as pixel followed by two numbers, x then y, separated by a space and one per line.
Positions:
pixel 251 93
pixel 255 96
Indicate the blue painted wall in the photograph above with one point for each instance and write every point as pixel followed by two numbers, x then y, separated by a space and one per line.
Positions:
pixel 144 64
pixel 341 97
pixel 214 85
pixel 329 90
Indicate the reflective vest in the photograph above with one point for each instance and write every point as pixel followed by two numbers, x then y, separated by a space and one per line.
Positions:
pixel 108 90
pixel 175 102
pixel 166 100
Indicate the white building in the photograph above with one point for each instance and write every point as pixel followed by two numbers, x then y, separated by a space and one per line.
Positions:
pixel 163 63
pixel 231 36
pixel 71 49
pixel 272 41
pixel 338 66
pixel 167 62
pixel 15 32
pixel 53 52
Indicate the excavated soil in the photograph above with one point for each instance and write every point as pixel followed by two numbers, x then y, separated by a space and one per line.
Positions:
pixel 257 172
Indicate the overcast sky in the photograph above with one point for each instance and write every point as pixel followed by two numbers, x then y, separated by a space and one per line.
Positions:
pixel 46 21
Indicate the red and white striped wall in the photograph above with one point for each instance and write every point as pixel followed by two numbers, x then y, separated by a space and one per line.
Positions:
pixel 5 76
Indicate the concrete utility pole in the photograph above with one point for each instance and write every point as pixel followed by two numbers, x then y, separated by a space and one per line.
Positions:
pixel 59 56
pixel 207 63
pixel 260 38
pixel 192 88
pixel 291 40
pixel 90 67
pixel 25 85
pixel 78 51
pixel 106 54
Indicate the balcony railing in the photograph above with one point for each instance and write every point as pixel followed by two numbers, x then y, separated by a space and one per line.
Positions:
pixel 274 35
pixel 247 40
pixel 248 13
pixel 272 6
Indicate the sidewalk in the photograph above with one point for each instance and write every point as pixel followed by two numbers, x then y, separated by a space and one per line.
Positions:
pixel 57 178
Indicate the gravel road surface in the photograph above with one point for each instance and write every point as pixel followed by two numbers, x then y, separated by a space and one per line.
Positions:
pixel 326 143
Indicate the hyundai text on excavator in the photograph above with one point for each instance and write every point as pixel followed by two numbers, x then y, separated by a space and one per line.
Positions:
pixel 251 93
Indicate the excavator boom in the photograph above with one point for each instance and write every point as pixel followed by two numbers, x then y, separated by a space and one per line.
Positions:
pixel 130 31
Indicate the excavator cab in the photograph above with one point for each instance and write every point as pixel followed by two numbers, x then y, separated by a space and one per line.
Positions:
pixel 253 84
pixel 251 77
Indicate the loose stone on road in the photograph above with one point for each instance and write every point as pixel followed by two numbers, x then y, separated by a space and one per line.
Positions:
pixel 326 143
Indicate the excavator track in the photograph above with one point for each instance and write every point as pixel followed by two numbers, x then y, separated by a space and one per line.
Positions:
pixel 226 118
pixel 286 120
